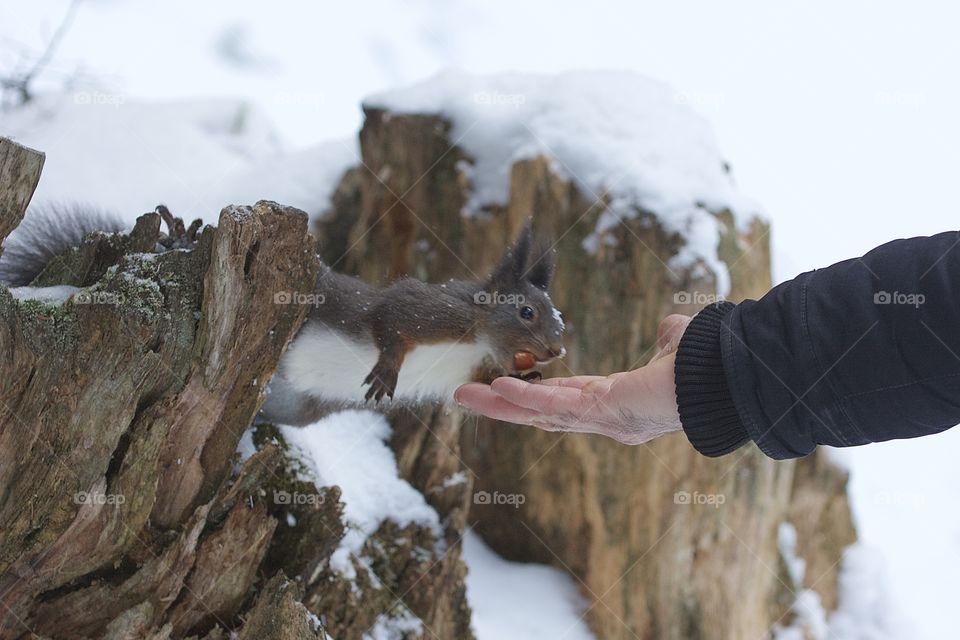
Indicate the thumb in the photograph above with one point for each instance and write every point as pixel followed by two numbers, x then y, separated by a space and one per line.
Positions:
pixel 669 333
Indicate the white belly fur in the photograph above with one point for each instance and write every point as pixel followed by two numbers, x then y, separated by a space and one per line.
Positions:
pixel 332 366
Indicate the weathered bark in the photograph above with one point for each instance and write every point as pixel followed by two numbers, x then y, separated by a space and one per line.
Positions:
pixel 279 615
pixel 20 169
pixel 606 513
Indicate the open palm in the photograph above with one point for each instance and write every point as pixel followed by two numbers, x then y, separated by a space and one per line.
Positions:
pixel 631 407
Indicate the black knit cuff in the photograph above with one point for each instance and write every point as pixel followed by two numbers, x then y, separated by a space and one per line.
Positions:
pixel 707 412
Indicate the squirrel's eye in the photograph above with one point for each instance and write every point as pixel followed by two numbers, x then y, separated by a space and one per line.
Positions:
pixel 527 313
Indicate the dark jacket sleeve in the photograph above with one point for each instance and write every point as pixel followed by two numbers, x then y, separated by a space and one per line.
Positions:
pixel 863 351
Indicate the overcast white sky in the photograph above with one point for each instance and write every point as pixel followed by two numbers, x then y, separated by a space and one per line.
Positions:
pixel 839 117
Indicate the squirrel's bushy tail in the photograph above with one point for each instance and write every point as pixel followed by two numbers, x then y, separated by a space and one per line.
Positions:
pixel 46 232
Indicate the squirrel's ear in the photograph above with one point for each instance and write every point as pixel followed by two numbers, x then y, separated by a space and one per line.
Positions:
pixel 541 273
pixel 512 266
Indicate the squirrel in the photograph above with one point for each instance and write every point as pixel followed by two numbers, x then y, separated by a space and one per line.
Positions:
pixel 415 342
pixel 410 342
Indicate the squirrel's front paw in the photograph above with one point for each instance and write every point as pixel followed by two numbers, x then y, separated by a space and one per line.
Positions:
pixel 382 381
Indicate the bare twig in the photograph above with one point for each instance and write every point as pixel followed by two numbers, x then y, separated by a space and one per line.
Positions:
pixel 20 84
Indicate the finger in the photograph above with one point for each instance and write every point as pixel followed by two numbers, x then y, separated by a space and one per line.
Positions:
pixel 547 399
pixel 576 382
pixel 479 398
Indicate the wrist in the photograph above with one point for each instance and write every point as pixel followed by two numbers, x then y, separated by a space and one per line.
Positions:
pixel 666 391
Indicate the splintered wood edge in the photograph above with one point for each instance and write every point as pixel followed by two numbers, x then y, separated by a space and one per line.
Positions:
pixel 20 169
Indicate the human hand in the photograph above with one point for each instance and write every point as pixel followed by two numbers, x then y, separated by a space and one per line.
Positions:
pixel 632 407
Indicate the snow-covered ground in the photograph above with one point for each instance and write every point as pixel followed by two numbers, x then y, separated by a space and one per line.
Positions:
pixel 866 610
pixel 839 117
pixel 906 499
pixel 517 600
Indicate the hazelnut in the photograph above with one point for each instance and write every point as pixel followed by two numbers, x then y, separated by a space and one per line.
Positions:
pixel 523 360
